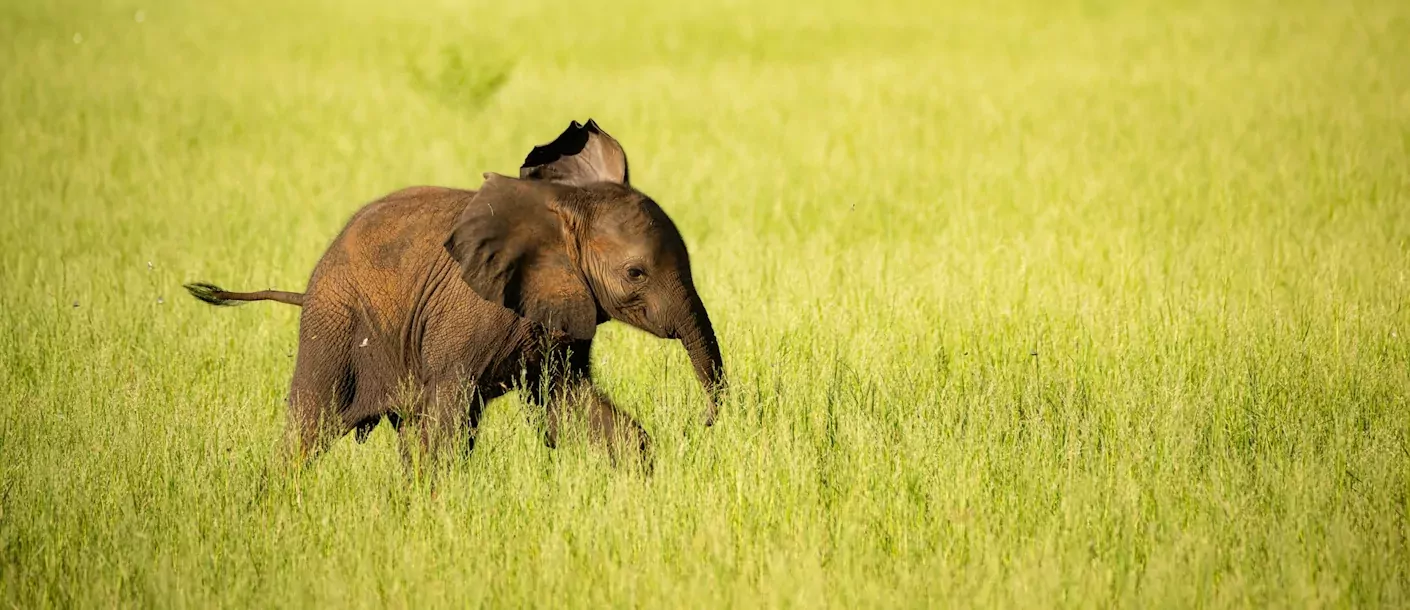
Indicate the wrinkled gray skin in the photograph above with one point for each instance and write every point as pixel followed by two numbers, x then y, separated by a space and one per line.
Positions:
pixel 433 301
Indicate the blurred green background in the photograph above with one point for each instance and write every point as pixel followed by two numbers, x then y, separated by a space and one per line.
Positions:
pixel 1025 304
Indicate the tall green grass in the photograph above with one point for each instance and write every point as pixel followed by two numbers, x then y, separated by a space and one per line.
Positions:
pixel 1028 304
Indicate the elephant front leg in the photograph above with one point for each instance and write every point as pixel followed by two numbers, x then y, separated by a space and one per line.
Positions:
pixel 441 427
pixel 582 406
pixel 561 382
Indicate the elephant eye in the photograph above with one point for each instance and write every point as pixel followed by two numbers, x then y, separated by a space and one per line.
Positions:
pixel 635 273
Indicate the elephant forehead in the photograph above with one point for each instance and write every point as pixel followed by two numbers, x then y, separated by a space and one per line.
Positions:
pixel 639 221
pixel 619 243
pixel 654 252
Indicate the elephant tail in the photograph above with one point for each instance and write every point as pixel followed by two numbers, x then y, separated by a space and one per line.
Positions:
pixel 215 295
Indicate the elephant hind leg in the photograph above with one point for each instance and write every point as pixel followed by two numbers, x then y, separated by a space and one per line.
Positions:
pixel 324 384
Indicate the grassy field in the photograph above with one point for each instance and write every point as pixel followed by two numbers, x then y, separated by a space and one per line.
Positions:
pixel 1068 303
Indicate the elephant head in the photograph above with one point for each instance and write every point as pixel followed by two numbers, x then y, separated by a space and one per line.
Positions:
pixel 571 244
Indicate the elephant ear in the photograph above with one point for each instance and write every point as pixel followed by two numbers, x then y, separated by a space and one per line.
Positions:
pixel 513 250
pixel 582 155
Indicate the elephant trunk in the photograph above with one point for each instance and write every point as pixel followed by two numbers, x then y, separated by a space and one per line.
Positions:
pixel 698 337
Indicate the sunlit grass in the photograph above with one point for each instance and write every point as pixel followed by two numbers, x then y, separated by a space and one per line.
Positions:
pixel 1036 304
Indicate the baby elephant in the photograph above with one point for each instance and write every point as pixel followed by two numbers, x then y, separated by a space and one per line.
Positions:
pixel 433 301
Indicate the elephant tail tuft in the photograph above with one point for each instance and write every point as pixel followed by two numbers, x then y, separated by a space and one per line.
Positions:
pixel 209 293
pixel 215 295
